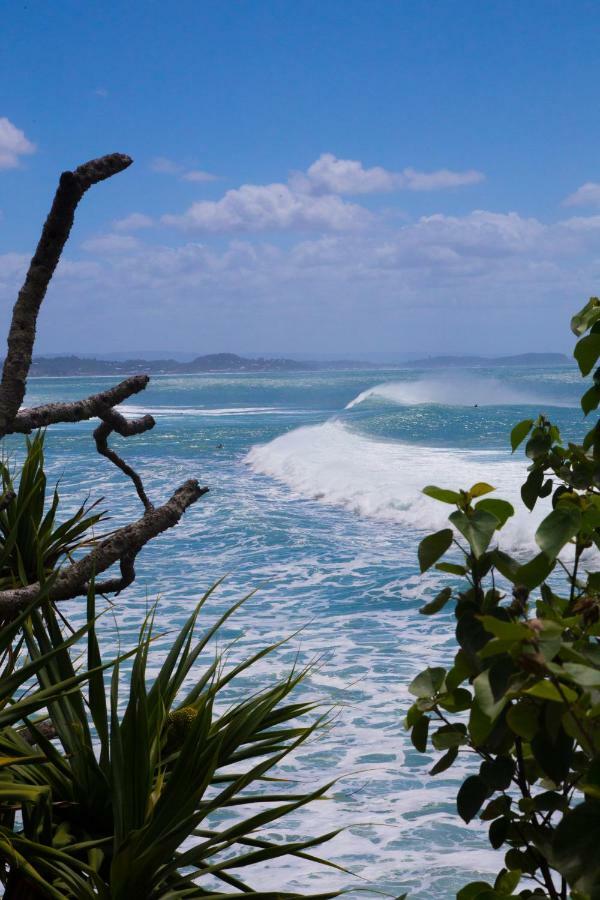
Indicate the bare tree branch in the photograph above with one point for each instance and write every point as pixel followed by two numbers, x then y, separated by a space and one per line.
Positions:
pixel 56 230
pixel 120 546
pixel 79 410
pixel 114 421
pixel 118 584
pixel 123 545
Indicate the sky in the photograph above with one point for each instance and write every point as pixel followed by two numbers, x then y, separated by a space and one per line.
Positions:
pixel 339 178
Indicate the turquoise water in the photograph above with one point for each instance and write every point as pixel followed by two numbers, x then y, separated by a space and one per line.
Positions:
pixel 315 499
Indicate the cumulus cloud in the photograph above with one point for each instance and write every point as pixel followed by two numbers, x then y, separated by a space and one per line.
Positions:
pixel 586 195
pixel 13 144
pixel 133 222
pixel 477 252
pixel 341 289
pixel 328 174
pixel 271 207
pixel 165 166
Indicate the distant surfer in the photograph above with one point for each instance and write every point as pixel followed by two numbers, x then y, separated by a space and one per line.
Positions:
pixel 219 446
pixel 475 405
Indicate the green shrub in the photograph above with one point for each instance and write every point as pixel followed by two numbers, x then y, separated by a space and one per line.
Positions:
pixel 523 690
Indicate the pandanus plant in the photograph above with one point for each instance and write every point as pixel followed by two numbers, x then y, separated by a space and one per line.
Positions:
pixel 139 787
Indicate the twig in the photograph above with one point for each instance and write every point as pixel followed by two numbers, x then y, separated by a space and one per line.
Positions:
pixel 114 421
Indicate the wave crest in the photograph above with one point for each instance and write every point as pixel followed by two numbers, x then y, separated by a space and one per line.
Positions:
pixel 384 480
pixel 453 390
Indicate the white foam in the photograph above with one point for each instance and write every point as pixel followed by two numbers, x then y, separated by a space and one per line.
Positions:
pixel 170 411
pixel 453 390
pixel 384 480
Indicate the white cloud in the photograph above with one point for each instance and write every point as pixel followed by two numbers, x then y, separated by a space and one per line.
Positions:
pixel 340 289
pixel 348 176
pixel 199 175
pixel 586 195
pixel 111 243
pixel 479 252
pixel 133 222
pixel 439 179
pixel 13 144
pixel 271 207
pixel 165 166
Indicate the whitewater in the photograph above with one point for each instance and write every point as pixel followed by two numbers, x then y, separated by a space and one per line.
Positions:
pixel 316 500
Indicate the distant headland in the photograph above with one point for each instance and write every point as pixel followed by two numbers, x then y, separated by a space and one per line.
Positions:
pixel 521 359
pixel 212 362
pixel 64 366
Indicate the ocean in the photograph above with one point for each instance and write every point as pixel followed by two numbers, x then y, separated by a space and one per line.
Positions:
pixel 315 501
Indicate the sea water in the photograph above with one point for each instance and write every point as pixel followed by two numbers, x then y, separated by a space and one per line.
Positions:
pixel 315 500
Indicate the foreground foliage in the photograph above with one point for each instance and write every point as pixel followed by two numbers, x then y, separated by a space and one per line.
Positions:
pixel 134 786
pixel 523 691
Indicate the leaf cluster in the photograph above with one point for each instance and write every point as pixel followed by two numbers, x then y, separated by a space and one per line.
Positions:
pixel 522 694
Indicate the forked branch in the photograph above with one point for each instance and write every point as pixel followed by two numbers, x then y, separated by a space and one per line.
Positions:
pixel 123 545
pixel 56 230
pixel 79 410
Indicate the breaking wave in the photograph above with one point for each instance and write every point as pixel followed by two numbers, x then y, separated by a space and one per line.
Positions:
pixel 334 465
pixel 454 390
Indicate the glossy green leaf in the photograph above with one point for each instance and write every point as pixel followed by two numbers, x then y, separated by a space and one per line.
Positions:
pixel 419 733
pixel 520 432
pixel 437 603
pixel 445 761
pixel 546 690
pixel 533 573
pixel 584 676
pixel 587 351
pixel 501 509
pixel 432 547
pixel 559 527
pixel 575 846
pixel 500 628
pixel 522 720
pixel 427 683
pixel 538 444
pixel 471 796
pixel 590 399
pixel 586 317
pixel 478 528
pixel 498 772
pixel 448 736
pixel 442 494
pixel 530 490
pixel 498 832
pixel 507 881
pixel 451 568
pixel 481 488
pixel 473 890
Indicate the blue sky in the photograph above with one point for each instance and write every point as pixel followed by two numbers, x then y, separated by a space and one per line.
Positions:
pixel 328 177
